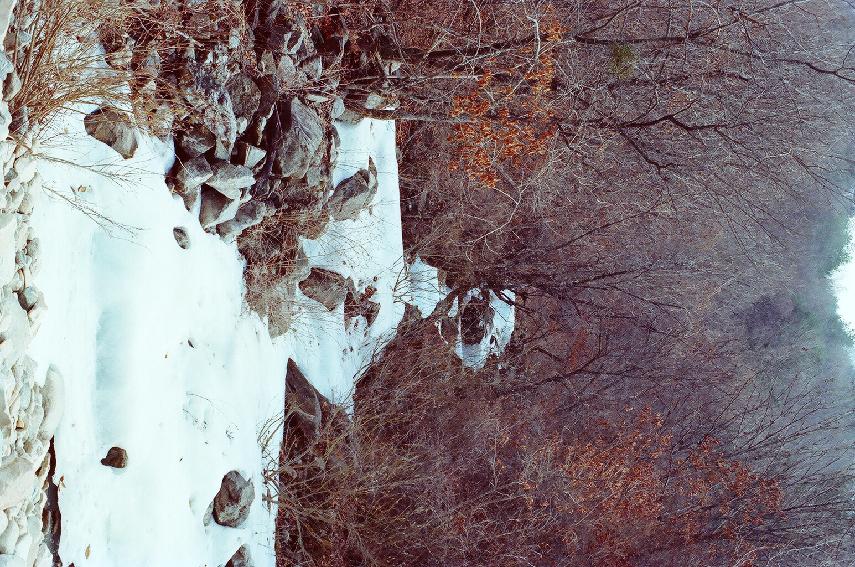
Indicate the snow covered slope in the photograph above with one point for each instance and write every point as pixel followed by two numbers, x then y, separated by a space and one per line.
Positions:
pixel 161 358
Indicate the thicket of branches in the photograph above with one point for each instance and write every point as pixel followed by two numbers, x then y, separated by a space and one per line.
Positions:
pixel 664 186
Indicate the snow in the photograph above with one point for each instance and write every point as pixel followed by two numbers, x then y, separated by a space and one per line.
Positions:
pixel 497 335
pixel 843 281
pixel 425 289
pixel 367 249
pixel 160 356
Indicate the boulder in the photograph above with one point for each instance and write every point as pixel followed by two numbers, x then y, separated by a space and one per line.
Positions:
pixel 305 403
pixel 326 287
pixel 17 482
pixel 194 141
pixel 216 208
pixel 192 173
pixel 360 304
pixel 353 195
pixel 112 127
pixel 301 140
pixel 229 178
pixel 249 155
pixel 245 96
pixel 232 503
pixel 29 297
pixel 181 237
pixel 53 399
pixel 249 214
pixel 241 558
pixel 116 458
pixel 8 226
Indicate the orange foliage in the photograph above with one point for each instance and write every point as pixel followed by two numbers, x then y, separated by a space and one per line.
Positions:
pixel 639 497
pixel 490 131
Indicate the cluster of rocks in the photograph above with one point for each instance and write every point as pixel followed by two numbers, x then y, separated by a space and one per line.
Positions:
pixel 30 403
pixel 331 289
pixel 251 117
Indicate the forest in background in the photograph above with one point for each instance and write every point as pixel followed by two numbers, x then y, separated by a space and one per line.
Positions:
pixel 665 187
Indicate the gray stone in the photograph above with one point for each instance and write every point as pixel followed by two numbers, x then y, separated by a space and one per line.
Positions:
pixel 353 195
pixel 29 297
pixel 229 178
pixel 300 140
pixel 287 73
pixel 338 108
pixel 116 458
pixel 232 503
pixel 195 140
pixel 313 67
pixel 17 481
pixel 216 208
pixel 249 155
pixel 11 86
pixel 241 558
pixel 326 287
pixel 192 174
pixel 249 214
pixel 113 128
pixel 181 237
pixel 245 96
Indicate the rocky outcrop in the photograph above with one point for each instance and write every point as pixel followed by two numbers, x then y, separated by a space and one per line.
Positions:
pixel 233 501
pixel 300 141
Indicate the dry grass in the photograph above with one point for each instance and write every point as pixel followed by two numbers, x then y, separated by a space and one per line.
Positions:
pixel 62 66
pixel 65 63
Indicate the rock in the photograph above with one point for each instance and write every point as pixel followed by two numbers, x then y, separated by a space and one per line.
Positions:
pixel 195 140
pixel 116 458
pixel 301 139
pixel 9 538
pixel 229 178
pixel 475 319
pixel 287 73
pixel 249 214
pixel 353 195
pixel 8 227
pixel 11 86
pixel 53 398
pixel 305 403
pixel 113 128
pixel 192 174
pixel 221 121
pixel 326 287
pixel 233 501
pixel 29 297
pixel 241 558
pixel 313 67
pixel 17 481
pixel 181 237
pixel 338 108
pixel 249 155
pixel 245 96
pixel 216 208
pixel 360 304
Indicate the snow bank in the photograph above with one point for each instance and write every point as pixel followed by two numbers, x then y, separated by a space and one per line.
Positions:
pixel 161 359
pixel 367 249
pixel 158 358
